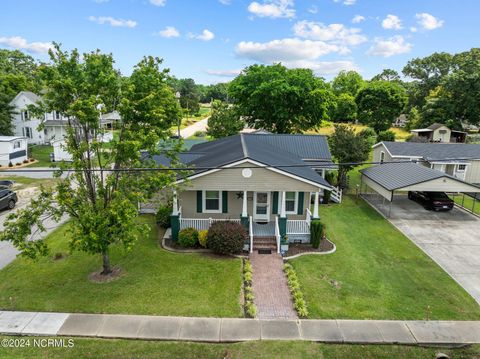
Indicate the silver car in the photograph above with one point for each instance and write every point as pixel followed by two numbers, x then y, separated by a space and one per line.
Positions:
pixel 8 199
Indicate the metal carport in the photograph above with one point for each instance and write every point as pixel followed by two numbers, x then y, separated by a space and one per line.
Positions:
pixel 386 179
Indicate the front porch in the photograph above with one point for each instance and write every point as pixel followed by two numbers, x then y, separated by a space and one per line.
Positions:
pixel 280 216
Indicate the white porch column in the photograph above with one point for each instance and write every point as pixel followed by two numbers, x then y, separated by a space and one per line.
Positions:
pixel 244 208
pixel 283 213
pixel 315 206
pixel 175 203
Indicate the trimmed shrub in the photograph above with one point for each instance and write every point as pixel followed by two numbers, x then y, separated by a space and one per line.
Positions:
pixel 297 295
pixel 316 233
pixel 386 136
pixel 32 159
pixel 199 134
pixel 163 216
pixel 202 238
pixel 251 310
pixel 226 237
pixel 10 164
pixel 188 237
pixel 25 161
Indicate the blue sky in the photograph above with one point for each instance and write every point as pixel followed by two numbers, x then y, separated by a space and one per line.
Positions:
pixel 211 40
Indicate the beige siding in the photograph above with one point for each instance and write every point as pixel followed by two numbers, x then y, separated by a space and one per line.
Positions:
pixel 188 202
pixel 442 137
pixel 377 188
pixel 473 172
pixel 377 154
pixel 261 180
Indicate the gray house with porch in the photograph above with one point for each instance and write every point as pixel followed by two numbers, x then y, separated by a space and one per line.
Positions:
pixel 264 181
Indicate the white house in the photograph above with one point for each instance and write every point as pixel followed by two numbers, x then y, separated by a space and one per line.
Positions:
pixel 25 124
pixel 13 149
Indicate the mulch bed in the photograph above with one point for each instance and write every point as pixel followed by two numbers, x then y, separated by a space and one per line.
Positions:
pixel 98 277
pixel 294 249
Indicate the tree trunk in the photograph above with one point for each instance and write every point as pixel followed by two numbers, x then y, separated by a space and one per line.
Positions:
pixel 107 269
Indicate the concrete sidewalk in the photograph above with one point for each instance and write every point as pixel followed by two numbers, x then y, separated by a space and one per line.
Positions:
pixel 237 329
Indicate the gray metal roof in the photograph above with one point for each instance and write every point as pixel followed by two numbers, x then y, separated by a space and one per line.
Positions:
pixel 254 147
pixel 392 176
pixel 434 151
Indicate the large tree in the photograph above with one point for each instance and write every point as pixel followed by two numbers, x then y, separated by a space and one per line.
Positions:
pixel 189 94
pixel 348 148
pixel 224 120
pixel 349 82
pixel 281 100
pixel 101 193
pixel 379 103
pixel 346 110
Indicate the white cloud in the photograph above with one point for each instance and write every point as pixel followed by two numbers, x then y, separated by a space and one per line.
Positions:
pixel 20 43
pixel 169 32
pixel 273 8
pixel 158 2
pixel 285 50
pixel 358 19
pixel 206 35
pixel 395 45
pixel 225 2
pixel 347 2
pixel 413 29
pixel 336 33
pixel 392 22
pixel 313 9
pixel 428 22
pixel 223 73
pixel 112 21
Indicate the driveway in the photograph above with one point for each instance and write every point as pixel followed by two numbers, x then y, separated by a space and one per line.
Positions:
pixel 450 238
pixel 8 252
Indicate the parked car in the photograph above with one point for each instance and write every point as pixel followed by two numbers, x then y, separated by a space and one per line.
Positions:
pixel 6 184
pixel 8 199
pixel 437 201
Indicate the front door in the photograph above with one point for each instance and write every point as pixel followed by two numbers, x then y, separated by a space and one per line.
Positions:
pixel 261 205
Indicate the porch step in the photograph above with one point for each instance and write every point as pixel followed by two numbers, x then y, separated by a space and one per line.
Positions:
pixel 264 243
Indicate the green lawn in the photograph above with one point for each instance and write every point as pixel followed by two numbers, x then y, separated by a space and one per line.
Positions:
pixel 400 133
pixel 467 202
pixel 154 282
pixel 113 348
pixel 25 182
pixel 42 154
pixel 377 273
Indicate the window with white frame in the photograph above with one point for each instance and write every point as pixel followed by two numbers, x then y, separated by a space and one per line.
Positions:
pixel 28 132
pixel 211 202
pixel 25 115
pixel 57 115
pixel 461 168
pixel 382 157
pixel 291 199
pixel 17 144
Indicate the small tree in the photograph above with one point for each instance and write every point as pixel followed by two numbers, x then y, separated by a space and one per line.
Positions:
pixel 100 195
pixel 348 148
pixel 224 120
pixel 379 103
pixel 386 136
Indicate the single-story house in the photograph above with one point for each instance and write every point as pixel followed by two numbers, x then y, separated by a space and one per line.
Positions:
pixel 13 149
pixel 459 160
pixel 264 181
pixel 439 133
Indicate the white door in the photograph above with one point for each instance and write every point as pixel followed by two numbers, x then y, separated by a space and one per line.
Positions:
pixel 261 205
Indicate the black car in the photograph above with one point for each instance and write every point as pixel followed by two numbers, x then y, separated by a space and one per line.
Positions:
pixel 6 184
pixel 437 201
pixel 8 199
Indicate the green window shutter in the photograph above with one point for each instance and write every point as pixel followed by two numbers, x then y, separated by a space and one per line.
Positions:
pixel 275 203
pixel 224 201
pixel 301 199
pixel 199 202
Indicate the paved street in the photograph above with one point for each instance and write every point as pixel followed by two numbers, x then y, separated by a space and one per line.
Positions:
pixel 197 126
pixel 238 329
pixel 450 238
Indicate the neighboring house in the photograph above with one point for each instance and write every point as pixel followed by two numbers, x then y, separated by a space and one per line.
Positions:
pixel 54 123
pixel 263 181
pixel 25 124
pixel 13 149
pixel 400 121
pixel 439 133
pixel 459 160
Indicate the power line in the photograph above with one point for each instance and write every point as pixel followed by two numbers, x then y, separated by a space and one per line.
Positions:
pixel 226 166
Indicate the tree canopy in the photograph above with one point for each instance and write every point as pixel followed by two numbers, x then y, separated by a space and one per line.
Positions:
pixel 281 100
pixel 224 120
pixel 379 103
pixel 348 82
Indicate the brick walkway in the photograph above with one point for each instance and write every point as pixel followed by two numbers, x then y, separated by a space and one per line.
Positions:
pixel 272 296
